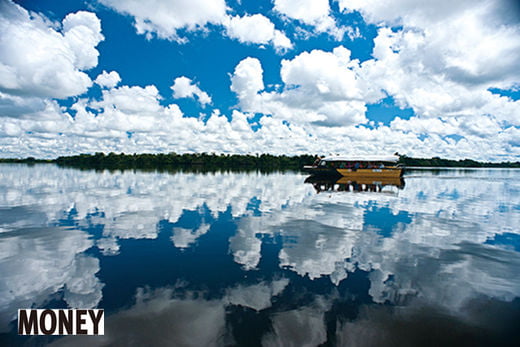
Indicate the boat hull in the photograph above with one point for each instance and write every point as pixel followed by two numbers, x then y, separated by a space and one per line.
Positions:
pixel 371 173
pixel 388 172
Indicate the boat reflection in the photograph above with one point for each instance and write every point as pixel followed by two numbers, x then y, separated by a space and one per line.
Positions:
pixel 358 184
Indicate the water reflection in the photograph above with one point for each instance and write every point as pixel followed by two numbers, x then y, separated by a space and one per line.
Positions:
pixel 346 184
pixel 250 258
pixel 38 262
pixel 158 318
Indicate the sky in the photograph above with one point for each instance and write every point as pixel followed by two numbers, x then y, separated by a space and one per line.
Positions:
pixel 417 77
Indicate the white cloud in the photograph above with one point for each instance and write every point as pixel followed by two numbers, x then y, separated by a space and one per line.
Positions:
pixel 82 32
pixel 256 29
pixel 463 39
pixel 441 64
pixel 183 87
pixel 247 81
pixel 320 87
pixel 19 106
pixel 38 60
pixel 319 107
pixel 130 100
pixel 281 41
pixel 308 11
pixel 426 85
pixel 131 119
pixel 108 79
pixel 311 12
pixel 163 17
pixel 446 56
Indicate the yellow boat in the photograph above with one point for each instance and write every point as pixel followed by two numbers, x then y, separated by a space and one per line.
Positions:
pixel 356 167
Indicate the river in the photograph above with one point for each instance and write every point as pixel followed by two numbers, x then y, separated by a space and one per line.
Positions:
pixel 263 259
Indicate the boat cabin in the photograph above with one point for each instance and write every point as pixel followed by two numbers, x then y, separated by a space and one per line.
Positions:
pixel 359 162
pixel 349 165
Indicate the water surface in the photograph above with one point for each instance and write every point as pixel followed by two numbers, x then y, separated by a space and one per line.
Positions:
pixel 264 259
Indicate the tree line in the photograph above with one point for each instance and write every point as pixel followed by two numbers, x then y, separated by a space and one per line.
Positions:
pixel 187 161
pixel 234 162
pixel 439 162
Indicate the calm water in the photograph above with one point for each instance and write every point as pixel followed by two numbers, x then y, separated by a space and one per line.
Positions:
pixel 263 259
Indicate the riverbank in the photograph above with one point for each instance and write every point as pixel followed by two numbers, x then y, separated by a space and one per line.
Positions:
pixel 214 161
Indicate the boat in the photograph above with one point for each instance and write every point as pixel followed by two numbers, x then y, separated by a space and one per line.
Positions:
pixel 356 167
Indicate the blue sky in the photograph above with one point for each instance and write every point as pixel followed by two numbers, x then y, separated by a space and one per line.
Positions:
pixel 280 76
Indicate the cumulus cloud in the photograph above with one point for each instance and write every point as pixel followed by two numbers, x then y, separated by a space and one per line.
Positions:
pixel 324 96
pixel 183 87
pixel 132 119
pixel 423 85
pixel 164 18
pixel 38 60
pixel 307 11
pixel 311 12
pixel 463 40
pixel 247 81
pixel 108 79
pixel 443 63
pixel 256 29
pixel 320 87
pixel 444 59
pixel 440 75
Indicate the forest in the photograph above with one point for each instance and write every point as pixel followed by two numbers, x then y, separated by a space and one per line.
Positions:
pixel 212 162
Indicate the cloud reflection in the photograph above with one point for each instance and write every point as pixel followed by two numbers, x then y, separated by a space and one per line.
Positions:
pixel 38 262
pixel 158 318
pixel 177 316
pixel 423 248
pixel 435 251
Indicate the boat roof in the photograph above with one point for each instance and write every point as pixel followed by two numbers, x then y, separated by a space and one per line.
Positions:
pixel 378 158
